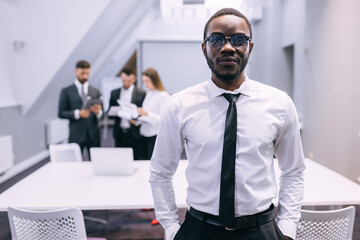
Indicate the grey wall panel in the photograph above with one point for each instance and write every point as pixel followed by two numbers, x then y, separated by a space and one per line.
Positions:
pixel 180 64
pixel 28 132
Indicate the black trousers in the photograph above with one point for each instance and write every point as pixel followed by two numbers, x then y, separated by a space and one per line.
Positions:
pixel 126 139
pixel 149 143
pixel 87 144
pixel 194 229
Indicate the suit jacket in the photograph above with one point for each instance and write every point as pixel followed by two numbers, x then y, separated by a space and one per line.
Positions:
pixel 137 98
pixel 82 129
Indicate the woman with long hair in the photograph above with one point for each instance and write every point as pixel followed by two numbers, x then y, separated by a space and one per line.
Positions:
pixel 152 107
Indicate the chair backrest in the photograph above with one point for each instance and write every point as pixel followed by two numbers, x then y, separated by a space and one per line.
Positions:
pixel 326 225
pixel 69 152
pixel 65 224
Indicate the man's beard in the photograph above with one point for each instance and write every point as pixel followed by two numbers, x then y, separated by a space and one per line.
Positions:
pixel 226 77
pixel 83 80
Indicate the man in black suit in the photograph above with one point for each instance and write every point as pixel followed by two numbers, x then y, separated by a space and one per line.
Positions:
pixel 125 132
pixel 81 104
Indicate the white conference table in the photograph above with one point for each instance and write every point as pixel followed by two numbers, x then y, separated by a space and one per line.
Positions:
pixel 59 185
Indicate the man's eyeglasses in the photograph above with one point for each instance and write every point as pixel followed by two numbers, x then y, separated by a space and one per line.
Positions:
pixel 218 41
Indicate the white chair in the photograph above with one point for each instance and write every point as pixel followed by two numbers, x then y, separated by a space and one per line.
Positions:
pixel 68 152
pixel 326 225
pixel 66 224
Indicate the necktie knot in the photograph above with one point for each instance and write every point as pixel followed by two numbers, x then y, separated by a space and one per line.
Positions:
pixel 231 97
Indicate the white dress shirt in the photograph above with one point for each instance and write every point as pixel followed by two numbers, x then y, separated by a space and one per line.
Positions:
pixel 79 87
pixel 153 104
pixel 125 96
pixel 267 125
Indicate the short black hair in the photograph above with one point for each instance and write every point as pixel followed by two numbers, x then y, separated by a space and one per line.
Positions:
pixel 227 11
pixel 128 70
pixel 82 64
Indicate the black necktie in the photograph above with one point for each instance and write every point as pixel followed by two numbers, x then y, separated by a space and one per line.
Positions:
pixel 227 185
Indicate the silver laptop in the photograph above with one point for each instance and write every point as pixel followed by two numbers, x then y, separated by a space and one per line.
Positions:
pixel 112 161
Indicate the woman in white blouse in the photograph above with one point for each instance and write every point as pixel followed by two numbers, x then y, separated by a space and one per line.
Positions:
pixel 152 107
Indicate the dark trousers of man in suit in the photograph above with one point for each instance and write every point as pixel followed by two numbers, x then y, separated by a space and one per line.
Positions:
pixel 195 229
pixel 88 143
pixel 125 138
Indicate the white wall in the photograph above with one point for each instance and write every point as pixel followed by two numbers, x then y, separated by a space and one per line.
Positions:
pixel 26 72
pixel 167 28
pixel 291 16
pixel 268 62
pixel 293 33
pixel 133 18
pixel 8 19
pixel 51 31
pixel 37 60
pixel 332 85
pixel 107 46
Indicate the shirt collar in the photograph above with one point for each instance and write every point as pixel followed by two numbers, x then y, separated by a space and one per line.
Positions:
pixel 244 89
pixel 130 89
pixel 79 85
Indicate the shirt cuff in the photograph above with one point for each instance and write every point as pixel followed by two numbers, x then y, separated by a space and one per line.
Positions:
pixel 76 114
pixel 288 228
pixel 99 115
pixel 137 123
pixel 171 230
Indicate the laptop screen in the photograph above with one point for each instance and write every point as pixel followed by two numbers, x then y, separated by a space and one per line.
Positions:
pixel 112 161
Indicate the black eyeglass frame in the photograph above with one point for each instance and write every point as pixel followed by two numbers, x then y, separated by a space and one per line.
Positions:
pixel 247 38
